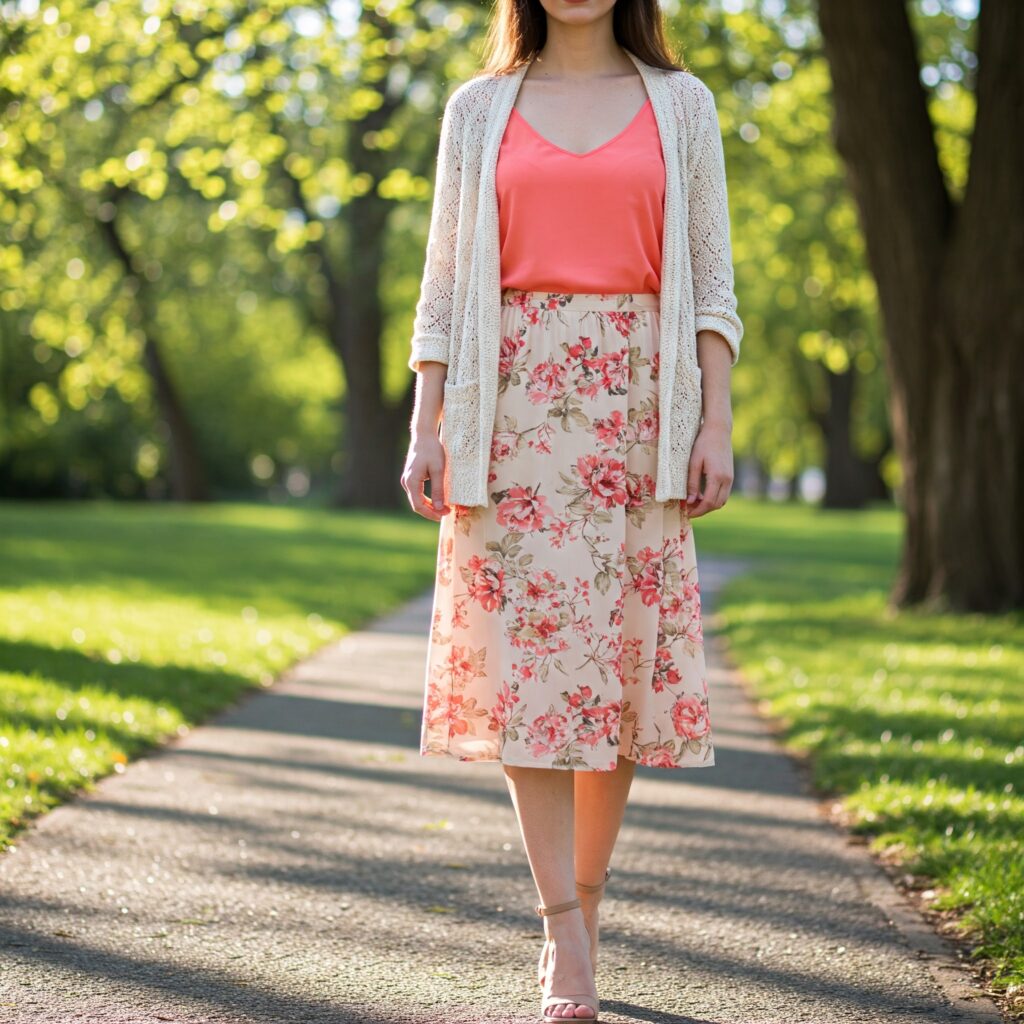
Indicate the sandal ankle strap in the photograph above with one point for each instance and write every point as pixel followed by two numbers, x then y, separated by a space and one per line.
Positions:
pixel 557 908
pixel 595 888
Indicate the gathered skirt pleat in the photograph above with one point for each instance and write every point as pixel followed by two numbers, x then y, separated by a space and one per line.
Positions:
pixel 566 622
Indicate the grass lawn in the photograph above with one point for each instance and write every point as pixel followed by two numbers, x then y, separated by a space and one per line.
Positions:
pixel 916 720
pixel 121 625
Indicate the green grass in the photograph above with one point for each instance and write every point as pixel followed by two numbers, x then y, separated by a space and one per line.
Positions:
pixel 123 625
pixel 916 719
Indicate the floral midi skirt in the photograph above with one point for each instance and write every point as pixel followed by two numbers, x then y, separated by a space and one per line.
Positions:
pixel 566 621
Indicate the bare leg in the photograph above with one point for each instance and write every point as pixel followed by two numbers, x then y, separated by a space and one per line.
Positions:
pixel 600 803
pixel 543 800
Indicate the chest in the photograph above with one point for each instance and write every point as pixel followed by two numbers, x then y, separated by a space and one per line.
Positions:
pixel 626 167
pixel 649 146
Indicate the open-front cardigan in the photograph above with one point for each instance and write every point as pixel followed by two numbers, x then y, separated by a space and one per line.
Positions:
pixel 458 314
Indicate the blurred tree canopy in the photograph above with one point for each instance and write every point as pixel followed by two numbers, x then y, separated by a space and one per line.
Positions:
pixel 214 217
pixel 196 203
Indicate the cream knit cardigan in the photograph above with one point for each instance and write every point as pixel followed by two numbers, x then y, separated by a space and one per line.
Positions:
pixel 458 314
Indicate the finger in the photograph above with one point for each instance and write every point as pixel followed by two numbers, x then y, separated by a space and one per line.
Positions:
pixel 706 502
pixel 437 489
pixel 724 491
pixel 420 504
pixel 406 482
pixel 712 495
pixel 693 477
pixel 425 507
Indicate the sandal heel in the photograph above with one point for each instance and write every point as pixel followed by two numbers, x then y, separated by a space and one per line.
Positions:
pixel 552 999
pixel 581 887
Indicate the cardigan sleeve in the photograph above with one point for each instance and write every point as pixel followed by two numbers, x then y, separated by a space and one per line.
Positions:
pixel 710 247
pixel 432 325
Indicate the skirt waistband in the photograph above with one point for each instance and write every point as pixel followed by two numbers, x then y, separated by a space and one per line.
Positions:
pixel 613 301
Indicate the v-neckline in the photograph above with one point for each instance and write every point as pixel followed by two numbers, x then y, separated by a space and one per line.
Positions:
pixel 589 152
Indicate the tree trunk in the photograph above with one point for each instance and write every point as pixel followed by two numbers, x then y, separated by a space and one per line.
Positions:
pixel 948 278
pixel 845 479
pixel 187 475
pixel 374 429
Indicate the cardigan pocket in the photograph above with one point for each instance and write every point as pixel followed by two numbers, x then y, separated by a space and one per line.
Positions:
pixel 459 419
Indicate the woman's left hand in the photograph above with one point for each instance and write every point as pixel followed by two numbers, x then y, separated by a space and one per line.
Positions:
pixel 711 455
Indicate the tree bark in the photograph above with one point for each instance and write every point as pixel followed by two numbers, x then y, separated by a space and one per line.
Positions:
pixel 187 475
pixel 371 471
pixel 845 479
pixel 948 278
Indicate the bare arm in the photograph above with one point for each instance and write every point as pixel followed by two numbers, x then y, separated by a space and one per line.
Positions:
pixel 426 458
pixel 712 450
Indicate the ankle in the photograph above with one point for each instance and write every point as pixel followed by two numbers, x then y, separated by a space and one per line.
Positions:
pixel 564 926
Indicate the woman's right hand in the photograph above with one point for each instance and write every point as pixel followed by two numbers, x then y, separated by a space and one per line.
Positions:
pixel 425 461
pixel 426 457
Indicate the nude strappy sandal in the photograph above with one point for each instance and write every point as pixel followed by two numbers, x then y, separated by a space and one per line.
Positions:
pixel 543 965
pixel 551 999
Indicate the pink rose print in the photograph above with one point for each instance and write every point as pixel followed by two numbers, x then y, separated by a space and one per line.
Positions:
pixel 451 713
pixel 660 757
pixel 460 613
pixel 566 627
pixel 611 430
pixel 504 705
pixel 461 665
pixel 604 720
pixel 538 631
pixel 605 477
pixel 523 510
pixel 542 586
pixel 612 370
pixel 546 383
pixel 584 693
pixel 523 673
pixel 646 428
pixel 640 490
pixel 510 348
pixel 690 717
pixel 504 444
pixel 665 671
pixel 625 322
pixel 486 579
pixel 547 734
pixel 649 580
pixel 541 442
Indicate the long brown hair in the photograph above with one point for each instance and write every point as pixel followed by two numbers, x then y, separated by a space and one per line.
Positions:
pixel 519 29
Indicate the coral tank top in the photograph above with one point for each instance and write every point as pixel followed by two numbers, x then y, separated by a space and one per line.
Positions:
pixel 581 222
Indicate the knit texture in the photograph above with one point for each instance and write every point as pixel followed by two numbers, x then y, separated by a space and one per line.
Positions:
pixel 458 314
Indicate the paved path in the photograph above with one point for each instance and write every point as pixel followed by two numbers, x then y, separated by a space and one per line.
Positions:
pixel 296 860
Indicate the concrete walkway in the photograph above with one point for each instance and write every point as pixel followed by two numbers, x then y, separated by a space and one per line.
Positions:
pixel 296 860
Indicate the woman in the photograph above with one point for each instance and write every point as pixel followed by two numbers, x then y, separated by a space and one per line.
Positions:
pixel 574 334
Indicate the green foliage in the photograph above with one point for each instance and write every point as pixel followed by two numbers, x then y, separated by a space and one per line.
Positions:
pixel 224 145
pixel 121 626
pixel 914 719
pixel 806 294
pixel 231 147
pixel 805 289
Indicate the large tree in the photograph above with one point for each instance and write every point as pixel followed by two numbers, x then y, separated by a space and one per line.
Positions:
pixel 949 273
